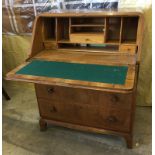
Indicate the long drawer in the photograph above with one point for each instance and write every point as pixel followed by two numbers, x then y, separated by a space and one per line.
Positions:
pixel 88 97
pixel 87 115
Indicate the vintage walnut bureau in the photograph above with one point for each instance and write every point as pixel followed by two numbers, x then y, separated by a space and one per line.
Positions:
pixel 85 68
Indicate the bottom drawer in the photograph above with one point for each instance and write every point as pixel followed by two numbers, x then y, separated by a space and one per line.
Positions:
pixel 82 114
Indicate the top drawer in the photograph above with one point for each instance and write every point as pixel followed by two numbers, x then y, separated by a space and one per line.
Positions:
pixel 84 96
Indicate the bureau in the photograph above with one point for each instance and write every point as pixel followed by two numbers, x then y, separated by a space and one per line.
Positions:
pixel 85 70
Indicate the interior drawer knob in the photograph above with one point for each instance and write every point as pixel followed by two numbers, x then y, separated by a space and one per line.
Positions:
pixel 87 39
pixel 50 90
pixel 112 119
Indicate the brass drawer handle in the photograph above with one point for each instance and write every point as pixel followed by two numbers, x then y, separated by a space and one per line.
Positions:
pixel 115 98
pixel 112 119
pixel 50 90
pixel 53 109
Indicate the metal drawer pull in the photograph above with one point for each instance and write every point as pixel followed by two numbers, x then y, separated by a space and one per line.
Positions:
pixel 112 119
pixel 53 109
pixel 50 90
pixel 115 98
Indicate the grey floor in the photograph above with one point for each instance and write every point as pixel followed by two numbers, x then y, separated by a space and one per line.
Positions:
pixel 21 135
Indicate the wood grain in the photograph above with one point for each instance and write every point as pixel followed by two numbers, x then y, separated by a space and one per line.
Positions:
pixel 114 58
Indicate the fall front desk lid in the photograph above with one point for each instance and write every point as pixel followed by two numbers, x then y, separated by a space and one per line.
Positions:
pixel 76 71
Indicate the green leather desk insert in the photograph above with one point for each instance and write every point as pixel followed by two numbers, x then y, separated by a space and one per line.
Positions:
pixel 76 71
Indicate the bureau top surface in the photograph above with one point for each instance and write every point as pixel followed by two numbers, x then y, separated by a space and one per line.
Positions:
pixel 106 12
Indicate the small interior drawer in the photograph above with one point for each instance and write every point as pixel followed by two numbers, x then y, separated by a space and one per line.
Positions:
pixel 50 45
pixel 87 38
pixel 128 48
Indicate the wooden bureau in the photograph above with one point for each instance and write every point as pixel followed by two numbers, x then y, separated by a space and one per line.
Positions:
pixel 85 68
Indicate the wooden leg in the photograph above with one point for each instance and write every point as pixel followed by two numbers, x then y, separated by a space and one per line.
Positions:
pixel 43 124
pixel 5 94
pixel 128 139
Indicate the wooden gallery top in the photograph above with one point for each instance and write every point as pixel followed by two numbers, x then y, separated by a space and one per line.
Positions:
pixel 93 50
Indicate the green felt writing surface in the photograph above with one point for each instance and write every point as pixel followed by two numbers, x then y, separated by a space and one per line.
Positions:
pixel 76 71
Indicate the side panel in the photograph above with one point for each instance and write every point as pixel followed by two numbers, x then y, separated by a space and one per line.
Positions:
pixel 37 37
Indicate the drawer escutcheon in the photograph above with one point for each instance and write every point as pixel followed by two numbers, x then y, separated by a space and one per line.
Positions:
pixel 53 109
pixel 50 90
pixel 115 99
pixel 112 119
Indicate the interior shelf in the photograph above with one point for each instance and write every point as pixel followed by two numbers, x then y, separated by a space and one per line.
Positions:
pixel 87 29
pixel 87 20
pixel 87 25
pixel 129 42
pixel 88 47
pixel 49 40
pixel 113 42
pixel 64 41
pixel 88 33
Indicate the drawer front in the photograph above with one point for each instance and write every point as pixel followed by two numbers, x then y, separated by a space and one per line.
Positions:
pixel 85 38
pixel 88 97
pixel 82 114
pixel 49 45
pixel 128 48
